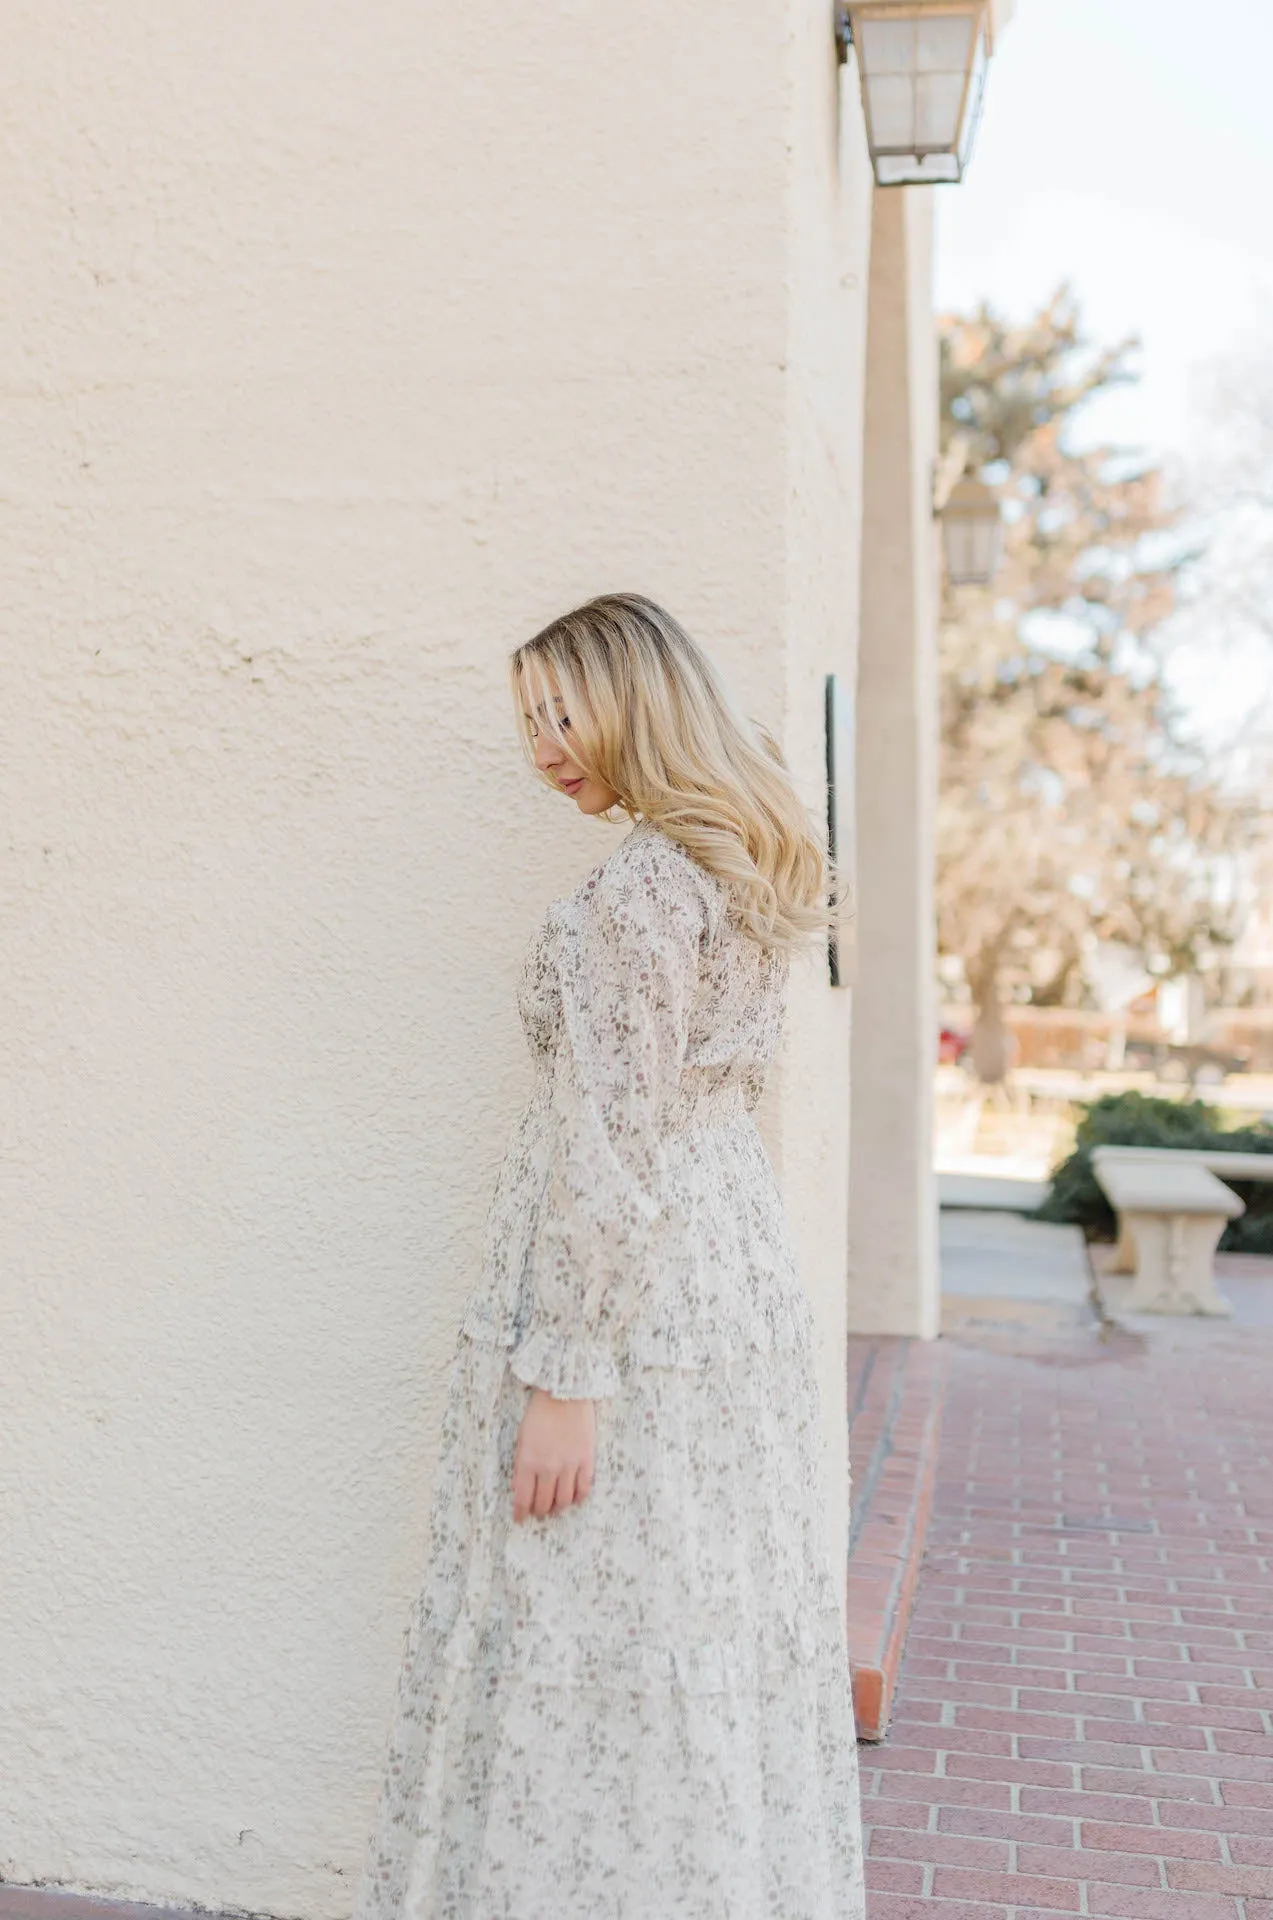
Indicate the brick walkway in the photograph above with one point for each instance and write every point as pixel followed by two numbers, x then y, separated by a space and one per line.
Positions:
pixel 1084 1722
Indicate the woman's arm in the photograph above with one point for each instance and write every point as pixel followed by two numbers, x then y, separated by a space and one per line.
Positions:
pixel 628 988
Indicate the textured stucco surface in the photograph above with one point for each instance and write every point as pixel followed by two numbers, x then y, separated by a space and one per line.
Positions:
pixel 828 249
pixel 894 1285
pixel 341 348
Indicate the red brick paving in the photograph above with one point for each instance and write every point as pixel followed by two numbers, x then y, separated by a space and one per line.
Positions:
pixel 1084 1716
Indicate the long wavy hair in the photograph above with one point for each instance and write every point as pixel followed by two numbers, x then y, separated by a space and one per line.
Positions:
pixel 649 716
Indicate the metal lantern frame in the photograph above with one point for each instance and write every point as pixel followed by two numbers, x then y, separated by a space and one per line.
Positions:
pixel 972 532
pixel 918 161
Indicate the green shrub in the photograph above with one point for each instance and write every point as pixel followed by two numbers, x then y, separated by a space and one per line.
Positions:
pixel 1139 1120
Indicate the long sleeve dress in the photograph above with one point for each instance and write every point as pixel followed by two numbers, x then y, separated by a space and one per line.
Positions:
pixel 638 1708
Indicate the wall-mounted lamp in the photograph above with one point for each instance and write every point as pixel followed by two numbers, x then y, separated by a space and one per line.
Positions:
pixel 972 533
pixel 922 65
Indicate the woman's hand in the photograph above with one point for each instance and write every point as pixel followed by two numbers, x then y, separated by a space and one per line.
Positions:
pixel 553 1459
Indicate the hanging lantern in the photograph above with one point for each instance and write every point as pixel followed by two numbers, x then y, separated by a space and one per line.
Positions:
pixel 922 66
pixel 972 533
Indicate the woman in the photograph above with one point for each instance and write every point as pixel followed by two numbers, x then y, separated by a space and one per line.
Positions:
pixel 626 1694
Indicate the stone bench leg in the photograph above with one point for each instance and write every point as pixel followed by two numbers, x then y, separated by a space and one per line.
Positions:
pixel 1174 1262
pixel 1124 1260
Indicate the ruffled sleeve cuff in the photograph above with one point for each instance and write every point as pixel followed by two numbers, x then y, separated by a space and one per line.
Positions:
pixel 568 1369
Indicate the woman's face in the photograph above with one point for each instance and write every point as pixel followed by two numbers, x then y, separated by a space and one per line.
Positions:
pixel 589 794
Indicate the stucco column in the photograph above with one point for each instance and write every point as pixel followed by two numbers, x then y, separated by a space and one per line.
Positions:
pixel 893 1281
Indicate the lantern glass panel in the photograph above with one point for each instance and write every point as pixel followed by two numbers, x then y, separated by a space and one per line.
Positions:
pixel 886 46
pixel 892 105
pixel 973 542
pixel 939 99
pixel 976 94
pixel 944 43
pixel 959 559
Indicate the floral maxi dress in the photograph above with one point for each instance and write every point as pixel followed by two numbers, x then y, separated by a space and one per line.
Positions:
pixel 638 1708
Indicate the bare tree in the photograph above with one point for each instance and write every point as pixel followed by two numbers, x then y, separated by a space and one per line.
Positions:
pixel 1072 807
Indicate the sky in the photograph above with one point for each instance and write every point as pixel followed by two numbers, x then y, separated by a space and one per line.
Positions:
pixel 1127 146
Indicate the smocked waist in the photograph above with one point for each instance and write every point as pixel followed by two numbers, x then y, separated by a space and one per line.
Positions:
pixel 696 1108
pixel 698 1105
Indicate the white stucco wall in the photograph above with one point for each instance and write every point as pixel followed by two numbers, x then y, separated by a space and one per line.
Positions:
pixel 341 348
pixel 829 239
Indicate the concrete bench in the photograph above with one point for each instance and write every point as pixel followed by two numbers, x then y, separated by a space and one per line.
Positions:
pixel 1171 1212
pixel 1230 1166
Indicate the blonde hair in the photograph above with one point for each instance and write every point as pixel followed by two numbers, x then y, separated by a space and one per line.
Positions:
pixel 649 717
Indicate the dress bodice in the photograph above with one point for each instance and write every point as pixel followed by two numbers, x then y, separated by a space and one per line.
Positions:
pixel 636 1202
pixel 735 1006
